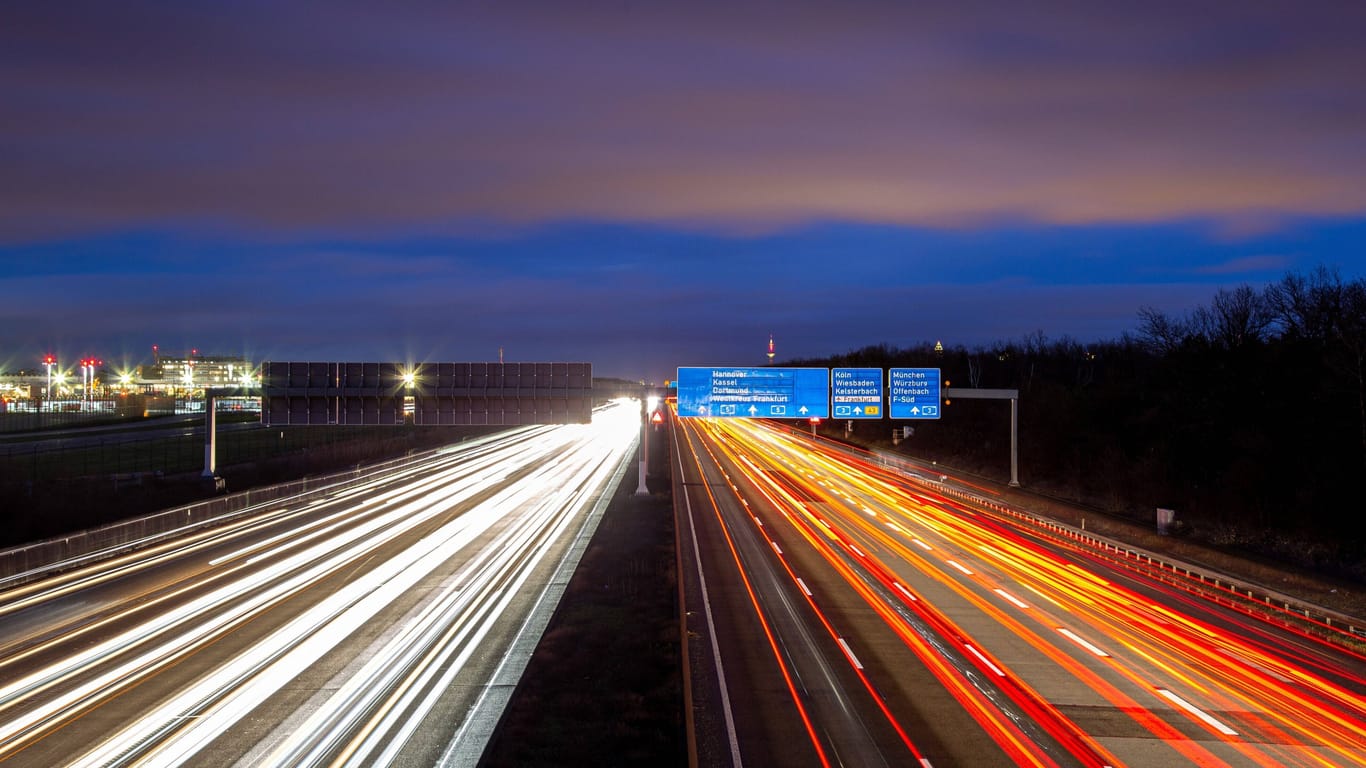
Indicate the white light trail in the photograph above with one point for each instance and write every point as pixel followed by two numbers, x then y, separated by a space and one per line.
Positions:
pixel 515 528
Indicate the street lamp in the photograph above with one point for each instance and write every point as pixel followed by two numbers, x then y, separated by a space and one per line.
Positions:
pixel 85 380
pixel 49 361
pixel 88 366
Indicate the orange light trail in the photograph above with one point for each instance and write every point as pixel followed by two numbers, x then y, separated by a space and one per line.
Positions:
pixel 1270 710
pixel 1006 733
pixel 768 631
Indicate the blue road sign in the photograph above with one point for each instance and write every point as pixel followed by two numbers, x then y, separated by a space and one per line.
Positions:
pixel 856 393
pixel 913 393
pixel 762 393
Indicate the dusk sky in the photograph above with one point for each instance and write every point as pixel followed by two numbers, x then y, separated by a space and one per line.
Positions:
pixel 646 185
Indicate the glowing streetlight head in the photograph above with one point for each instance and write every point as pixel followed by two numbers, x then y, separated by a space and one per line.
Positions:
pixel 125 379
pixel 408 378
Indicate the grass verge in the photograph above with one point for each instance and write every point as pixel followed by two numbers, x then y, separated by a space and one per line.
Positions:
pixel 604 685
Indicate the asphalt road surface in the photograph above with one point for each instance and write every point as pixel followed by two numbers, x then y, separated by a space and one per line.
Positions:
pixel 369 627
pixel 840 614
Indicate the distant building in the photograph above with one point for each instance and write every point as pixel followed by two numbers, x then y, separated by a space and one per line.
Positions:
pixel 21 385
pixel 198 371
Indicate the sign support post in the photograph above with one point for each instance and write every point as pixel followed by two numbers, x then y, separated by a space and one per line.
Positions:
pixel 209 477
pixel 641 488
pixel 1013 395
pixel 210 435
pixel 1015 441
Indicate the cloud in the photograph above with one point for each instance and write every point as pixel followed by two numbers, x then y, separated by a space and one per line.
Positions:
pixel 1247 264
pixel 634 300
pixel 359 119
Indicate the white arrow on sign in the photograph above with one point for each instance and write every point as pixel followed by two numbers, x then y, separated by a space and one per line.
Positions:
pixel 915 411
pixel 802 410
pixel 753 410
pixel 858 410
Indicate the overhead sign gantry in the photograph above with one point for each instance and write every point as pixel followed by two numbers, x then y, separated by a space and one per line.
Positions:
pixel 914 393
pixel 770 393
pixel 856 392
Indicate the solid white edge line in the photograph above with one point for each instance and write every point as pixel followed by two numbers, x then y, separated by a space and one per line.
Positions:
pixel 711 623
pixel 482 718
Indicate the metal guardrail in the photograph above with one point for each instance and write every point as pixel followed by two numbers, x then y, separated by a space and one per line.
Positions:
pixel 1237 593
pixel 30 562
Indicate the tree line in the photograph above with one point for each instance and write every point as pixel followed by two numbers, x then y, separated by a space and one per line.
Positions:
pixel 1247 416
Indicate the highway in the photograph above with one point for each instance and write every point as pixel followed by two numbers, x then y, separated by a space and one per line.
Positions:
pixel 839 614
pixel 369 627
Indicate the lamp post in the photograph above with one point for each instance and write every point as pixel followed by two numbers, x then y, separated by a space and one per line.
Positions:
pixel 48 361
pixel 88 366
pixel 85 384
pixel 648 405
